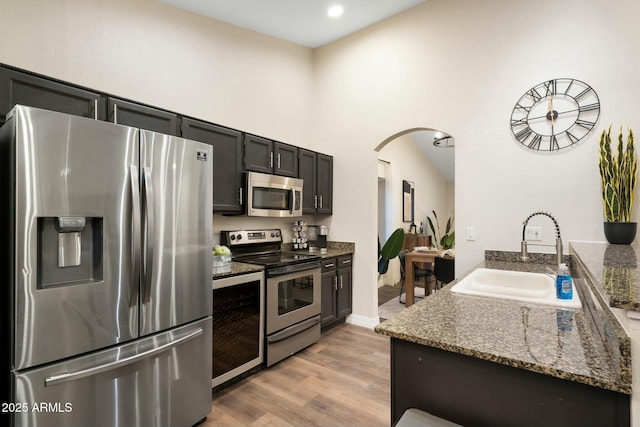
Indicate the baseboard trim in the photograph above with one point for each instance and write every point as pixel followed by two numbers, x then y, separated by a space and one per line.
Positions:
pixel 367 322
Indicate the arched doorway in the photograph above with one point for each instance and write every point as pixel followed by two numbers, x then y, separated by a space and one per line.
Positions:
pixel 423 157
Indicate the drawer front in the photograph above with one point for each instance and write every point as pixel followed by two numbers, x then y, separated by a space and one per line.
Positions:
pixel 329 264
pixel 345 261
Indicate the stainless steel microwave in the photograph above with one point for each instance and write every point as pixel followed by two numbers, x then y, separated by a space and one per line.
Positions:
pixel 273 195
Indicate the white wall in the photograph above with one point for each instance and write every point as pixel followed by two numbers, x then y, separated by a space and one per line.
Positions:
pixel 156 54
pixel 461 66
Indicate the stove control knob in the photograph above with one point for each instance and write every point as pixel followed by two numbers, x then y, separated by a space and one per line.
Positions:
pixel 273 234
pixel 239 237
pixel 277 233
pixel 232 237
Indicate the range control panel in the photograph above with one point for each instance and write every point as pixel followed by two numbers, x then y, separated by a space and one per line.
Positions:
pixel 244 237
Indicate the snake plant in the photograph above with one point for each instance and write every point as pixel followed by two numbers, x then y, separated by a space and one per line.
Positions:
pixel 619 176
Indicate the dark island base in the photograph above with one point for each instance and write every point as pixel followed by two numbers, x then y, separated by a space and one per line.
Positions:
pixel 474 392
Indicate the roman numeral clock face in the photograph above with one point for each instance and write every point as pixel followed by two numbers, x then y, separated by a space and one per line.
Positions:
pixel 555 115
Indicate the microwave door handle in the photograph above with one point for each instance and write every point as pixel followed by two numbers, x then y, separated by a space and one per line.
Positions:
pixel 135 233
pixel 293 200
pixel 149 234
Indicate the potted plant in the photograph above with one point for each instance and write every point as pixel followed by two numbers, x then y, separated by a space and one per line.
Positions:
pixel 619 176
pixel 443 241
pixel 390 250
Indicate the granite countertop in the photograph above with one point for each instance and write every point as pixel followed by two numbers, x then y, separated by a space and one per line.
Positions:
pixel 559 342
pixel 237 268
pixel 334 249
pixel 614 271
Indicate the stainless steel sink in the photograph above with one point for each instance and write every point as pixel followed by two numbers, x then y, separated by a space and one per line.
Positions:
pixel 514 285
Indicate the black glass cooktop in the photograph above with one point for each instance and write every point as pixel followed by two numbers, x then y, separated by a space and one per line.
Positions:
pixel 276 259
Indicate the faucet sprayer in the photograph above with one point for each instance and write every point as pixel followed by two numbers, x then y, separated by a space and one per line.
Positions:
pixel 523 245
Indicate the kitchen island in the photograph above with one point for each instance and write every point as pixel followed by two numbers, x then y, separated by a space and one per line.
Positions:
pixel 486 361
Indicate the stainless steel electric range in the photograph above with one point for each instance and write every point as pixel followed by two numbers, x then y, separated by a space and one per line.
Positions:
pixel 292 320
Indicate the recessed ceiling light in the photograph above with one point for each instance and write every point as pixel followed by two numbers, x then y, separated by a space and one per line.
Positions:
pixel 335 11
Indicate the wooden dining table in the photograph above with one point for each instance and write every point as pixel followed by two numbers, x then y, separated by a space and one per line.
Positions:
pixel 409 259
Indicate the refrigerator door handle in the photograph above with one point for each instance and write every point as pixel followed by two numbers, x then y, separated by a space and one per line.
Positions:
pixel 135 232
pixel 95 370
pixel 150 227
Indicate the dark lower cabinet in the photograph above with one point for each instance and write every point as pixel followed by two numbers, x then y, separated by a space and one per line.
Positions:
pixel 227 162
pixel 17 87
pixel 141 116
pixel 337 286
pixel 475 392
pixel 316 170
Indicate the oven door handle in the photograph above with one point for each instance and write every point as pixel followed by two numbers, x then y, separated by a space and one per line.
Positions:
pixel 279 271
pixel 293 330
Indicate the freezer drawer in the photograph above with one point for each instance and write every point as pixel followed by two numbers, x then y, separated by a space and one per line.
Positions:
pixel 161 381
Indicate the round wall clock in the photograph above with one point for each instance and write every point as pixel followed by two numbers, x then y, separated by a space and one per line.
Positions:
pixel 555 114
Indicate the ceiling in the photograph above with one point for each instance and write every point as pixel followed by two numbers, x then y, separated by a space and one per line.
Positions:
pixel 304 22
pixel 441 157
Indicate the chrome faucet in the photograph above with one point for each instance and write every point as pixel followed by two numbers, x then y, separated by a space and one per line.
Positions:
pixel 524 256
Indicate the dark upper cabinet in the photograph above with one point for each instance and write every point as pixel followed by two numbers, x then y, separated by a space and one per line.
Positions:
pixel 227 162
pixel 272 157
pixel 324 184
pixel 17 87
pixel 141 116
pixel 317 172
pixel 285 159
pixel 258 154
pixel 307 171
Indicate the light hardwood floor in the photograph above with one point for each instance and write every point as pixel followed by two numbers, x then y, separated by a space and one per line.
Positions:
pixel 342 380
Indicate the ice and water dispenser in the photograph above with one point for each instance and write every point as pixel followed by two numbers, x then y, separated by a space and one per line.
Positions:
pixel 69 250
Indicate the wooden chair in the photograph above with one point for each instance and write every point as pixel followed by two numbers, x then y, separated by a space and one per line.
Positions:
pixel 418 273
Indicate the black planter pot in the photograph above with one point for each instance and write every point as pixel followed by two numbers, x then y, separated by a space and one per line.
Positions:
pixel 620 233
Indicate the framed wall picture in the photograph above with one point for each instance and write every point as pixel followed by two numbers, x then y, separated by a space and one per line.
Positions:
pixel 407 201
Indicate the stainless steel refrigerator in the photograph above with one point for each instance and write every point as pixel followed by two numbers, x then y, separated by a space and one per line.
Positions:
pixel 107 283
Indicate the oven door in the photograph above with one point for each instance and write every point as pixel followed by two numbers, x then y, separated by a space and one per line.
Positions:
pixel 273 196
pixel 292 298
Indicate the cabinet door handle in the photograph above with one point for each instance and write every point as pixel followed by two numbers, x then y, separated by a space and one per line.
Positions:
pixel 95 109
pixel 329 265
pixel 341 281
pixel 335 283
pixel 315 201
pixel 115 113
pixel 240 191
pixel 271 159
pixel 346 261
pixel 278 160
pixel 321 201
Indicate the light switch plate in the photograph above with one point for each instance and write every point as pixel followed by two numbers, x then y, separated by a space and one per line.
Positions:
pixel 533 233
pixel 471 233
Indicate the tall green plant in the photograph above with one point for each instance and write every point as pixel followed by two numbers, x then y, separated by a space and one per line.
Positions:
pixel 448 239
pixel 619 176
pixel 390 250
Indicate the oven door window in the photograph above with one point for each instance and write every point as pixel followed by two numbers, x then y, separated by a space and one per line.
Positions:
pixel 294 294
pixel 271 198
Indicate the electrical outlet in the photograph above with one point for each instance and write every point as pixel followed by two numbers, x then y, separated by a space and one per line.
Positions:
pixel 533 233
pixel 471 233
